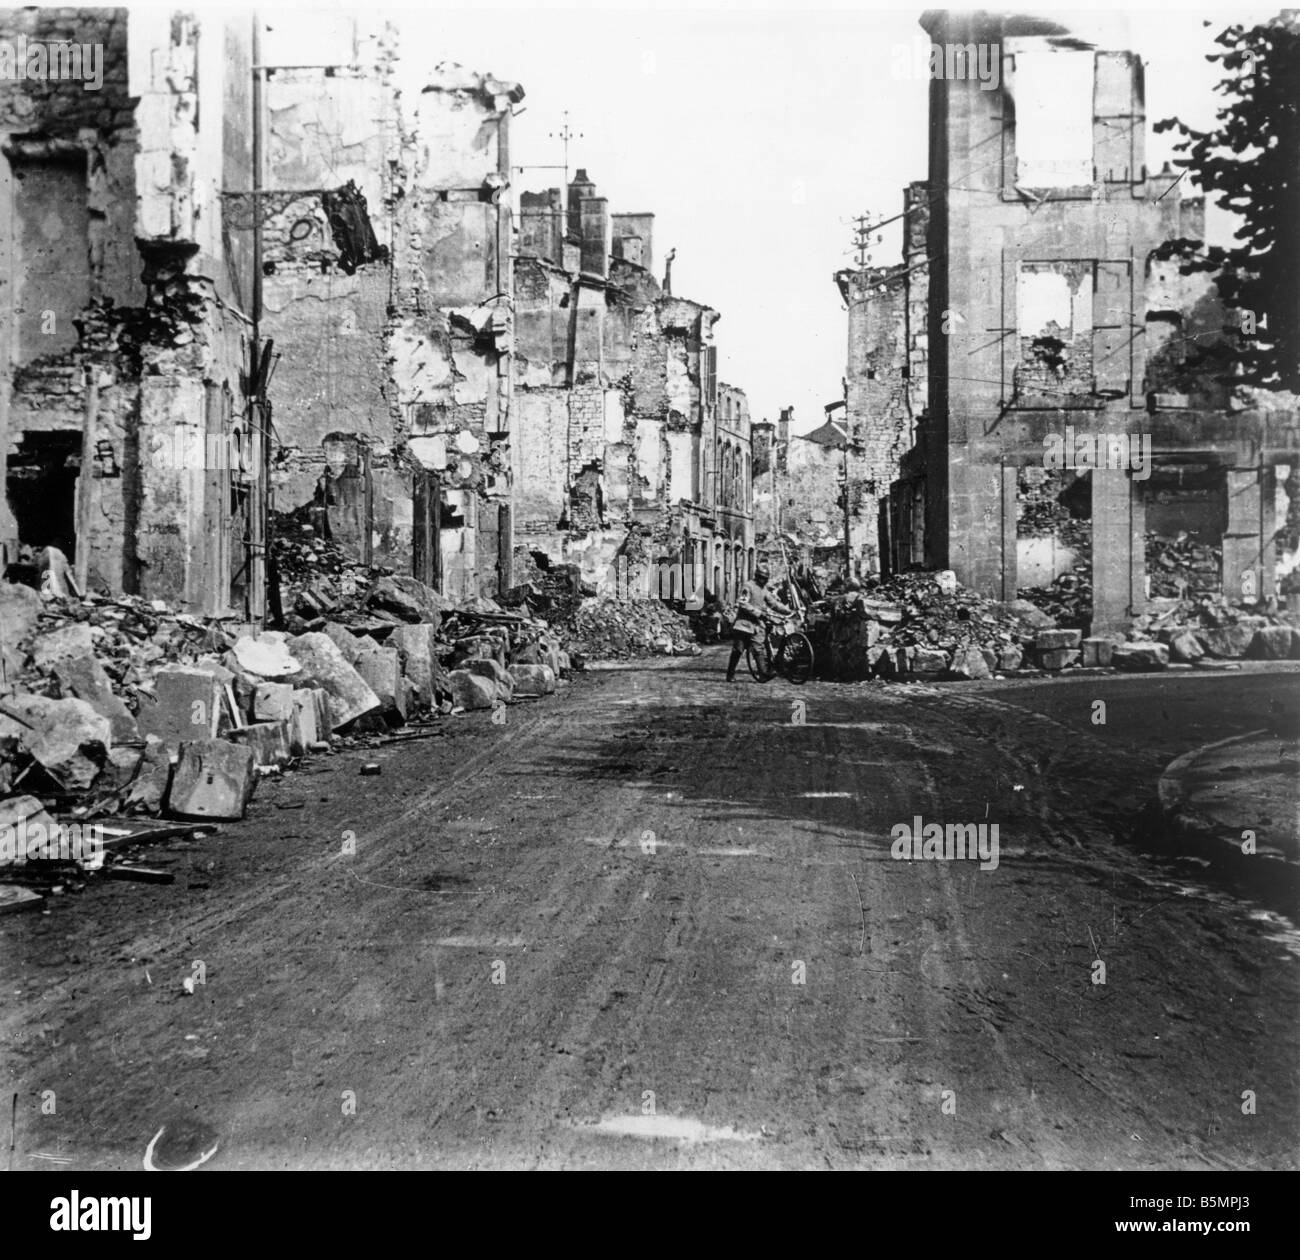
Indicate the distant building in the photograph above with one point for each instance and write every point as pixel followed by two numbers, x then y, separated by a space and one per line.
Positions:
pixel 630 459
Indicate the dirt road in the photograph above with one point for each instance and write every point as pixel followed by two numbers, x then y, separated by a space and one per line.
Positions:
pixel 655 921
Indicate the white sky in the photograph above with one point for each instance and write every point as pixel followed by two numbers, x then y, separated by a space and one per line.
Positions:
pixel 755 133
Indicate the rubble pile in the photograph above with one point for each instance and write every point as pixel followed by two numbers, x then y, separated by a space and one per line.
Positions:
pixel 1208 628
pixel 1182 566
pixel 317 577
pixel 926 625
pixel 1068 599
pixel 923 624
pixel 604 627
pixel 111 707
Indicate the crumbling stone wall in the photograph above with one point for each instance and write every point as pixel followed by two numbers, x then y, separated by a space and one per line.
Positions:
pixel 118 238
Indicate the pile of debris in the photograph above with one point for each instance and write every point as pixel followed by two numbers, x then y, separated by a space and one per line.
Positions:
pixel 1209 628
pixel 112 707
pixel 1068 598
pixel 926 625
pixel 1181 566
pixel 604 627
pixel 922 624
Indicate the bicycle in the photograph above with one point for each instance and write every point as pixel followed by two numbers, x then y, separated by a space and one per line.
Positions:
pixel 785 650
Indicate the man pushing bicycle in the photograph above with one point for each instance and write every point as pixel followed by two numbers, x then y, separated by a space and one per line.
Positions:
pixel 749 627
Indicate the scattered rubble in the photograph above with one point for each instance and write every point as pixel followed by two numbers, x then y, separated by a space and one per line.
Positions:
pixel 606 628
pixel 919 624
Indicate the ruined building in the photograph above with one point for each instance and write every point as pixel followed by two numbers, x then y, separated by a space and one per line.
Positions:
pixel 631 460
pixel 387 293
pixel 1056 335
pixel 124 421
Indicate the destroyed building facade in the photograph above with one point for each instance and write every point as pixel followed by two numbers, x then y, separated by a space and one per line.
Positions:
pixel 123 418
pixel 1050 321
pixel 631 459
pixel 387 293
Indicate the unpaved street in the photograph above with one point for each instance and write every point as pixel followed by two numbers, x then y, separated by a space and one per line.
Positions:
pixel 656 923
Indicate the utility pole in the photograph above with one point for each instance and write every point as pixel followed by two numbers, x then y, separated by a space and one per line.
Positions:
pixel 862 239
pixel 564 135
pixel 259 501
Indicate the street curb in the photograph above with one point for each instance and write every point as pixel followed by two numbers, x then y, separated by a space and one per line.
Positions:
pixel 1172 795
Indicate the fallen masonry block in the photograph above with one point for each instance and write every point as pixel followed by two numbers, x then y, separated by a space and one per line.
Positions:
pixel 186 705
pixel 1010 658
pixel 306 727
pixel 66 643
pixel 267 655
pixel 469 691
pixel 1271 643
pixel 417 645
pixel 271 742
pixel 1097 650
pixel 84 678
pixel 407 598
pixel 323 665
pixel 14 897
pixel 214 779
pixel 969 662
pixel 1055 640
pixel 148 789
pixel 533 680
pixel 929 661
pixel 495 673
pixel 273 702
pixel 1140 656
pixel 475 647
pixel 1184 646
pixel 382 670
pixel 20 608
pixel 1055 659
pixel 344 640
pixel 1226 642
pixel 66 736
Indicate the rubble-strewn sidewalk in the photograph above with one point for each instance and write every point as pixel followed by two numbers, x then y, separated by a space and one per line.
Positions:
pixel 118 706
pixel 1240 792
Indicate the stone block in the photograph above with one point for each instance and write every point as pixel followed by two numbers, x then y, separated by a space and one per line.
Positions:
pixel 66 736
pixel 381 668
pixel 469 691
pixel 417 645
pixel 323 665
pixel 1271 643
pixel 306 727
pixel 532 680
pixel 1056 659
pixel 1226 642
pixel 20 607
pixel 1055 640
pixel 271 742
pixel 929 662
pixel 969 663
pixel 186 705
pixel 1010 658
pixel 495 673
pixel 1097 650
pixel 273 702
pixel 213 779
pixel 1185 647
pixel 1140 656
pixel 84 678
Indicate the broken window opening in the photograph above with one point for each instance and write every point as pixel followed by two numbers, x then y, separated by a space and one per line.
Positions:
pixel 1053 101
pixel 41 482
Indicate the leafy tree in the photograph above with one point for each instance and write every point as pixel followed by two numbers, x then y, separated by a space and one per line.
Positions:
pixel 1251 159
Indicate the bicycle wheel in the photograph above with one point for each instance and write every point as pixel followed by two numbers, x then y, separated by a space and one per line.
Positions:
pixel 756 659
pixel 797 658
